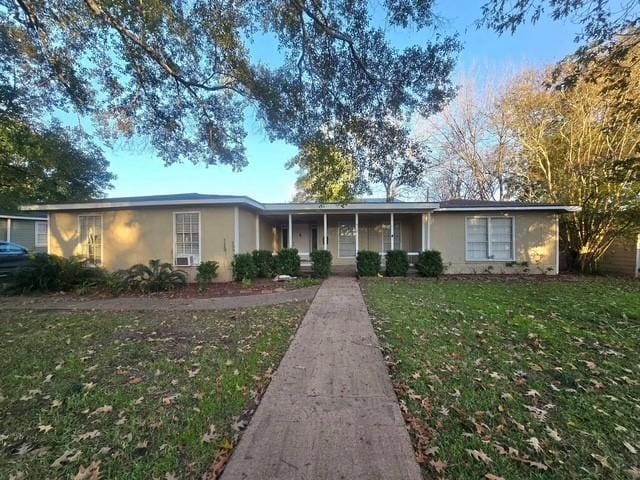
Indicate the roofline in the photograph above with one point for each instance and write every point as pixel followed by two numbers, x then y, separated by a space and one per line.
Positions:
pixel 249 202
pixel 22 217
pixel 336 207
pixel 548 208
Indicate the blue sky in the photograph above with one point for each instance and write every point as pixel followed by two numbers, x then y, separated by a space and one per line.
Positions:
pixel 140 172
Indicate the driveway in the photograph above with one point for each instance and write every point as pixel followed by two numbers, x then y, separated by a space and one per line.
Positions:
pixel 330 411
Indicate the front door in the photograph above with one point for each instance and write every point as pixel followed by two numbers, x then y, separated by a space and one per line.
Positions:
pixel 301 237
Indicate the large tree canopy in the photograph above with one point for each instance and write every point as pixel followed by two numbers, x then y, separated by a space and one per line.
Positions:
pixel 182 74
pixel 48 165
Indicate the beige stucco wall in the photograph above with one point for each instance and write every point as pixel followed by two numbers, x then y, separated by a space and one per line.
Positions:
pixel 247 231
pixel 535 243
pixel 622 257
pixel 137 235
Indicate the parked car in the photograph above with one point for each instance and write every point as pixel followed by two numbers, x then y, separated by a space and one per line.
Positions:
pixel 12 257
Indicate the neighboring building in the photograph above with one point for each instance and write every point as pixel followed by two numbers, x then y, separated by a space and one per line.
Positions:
pixel 622 257
pixel 26 229
pixel 184 229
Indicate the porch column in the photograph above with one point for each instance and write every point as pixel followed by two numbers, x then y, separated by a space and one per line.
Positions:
pixel 393 243
pixel 257 232
pixel 290 232
pixel 423 235
pixel 8 229
pixel 357 242
pixel 429 231
pixel 325 236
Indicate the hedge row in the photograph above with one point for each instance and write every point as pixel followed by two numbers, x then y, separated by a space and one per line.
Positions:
pixel 368 264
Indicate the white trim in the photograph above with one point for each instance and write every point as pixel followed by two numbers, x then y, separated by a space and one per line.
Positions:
pixel 80 215
pixel 557 229
pixel 564 208
pixel 393 237
pixel 338 238
pixel 290 233
pixel 35 231
pixel 257 232
pixel 429 231
pixel 325 234
pixel 8 229
pixel 357 239
pixel 48 233
pixel 236 230
pixel 637 272
pixel 423 236
pixel 173 254
pixel 22 217
pixel 490 260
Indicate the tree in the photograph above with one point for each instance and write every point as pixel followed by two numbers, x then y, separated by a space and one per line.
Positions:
pixel 182 74
pixel 48 165
pixel 471 145
pixel 388 154
pixel 577 148
pixel 325 173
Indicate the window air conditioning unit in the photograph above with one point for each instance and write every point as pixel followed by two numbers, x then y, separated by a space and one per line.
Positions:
pixel 185 260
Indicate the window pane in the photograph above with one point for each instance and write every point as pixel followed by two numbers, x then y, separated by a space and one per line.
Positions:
pixel 502 238
pixel 91 238
pixel 386 236
pixel 346 240
pixel 477 242
pixel 187 237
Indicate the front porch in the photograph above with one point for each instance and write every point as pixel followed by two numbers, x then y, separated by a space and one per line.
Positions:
pixel 344 234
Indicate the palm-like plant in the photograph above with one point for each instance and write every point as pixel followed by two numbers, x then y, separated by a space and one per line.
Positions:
pixel 155 277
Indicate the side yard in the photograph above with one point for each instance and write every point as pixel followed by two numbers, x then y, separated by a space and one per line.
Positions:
pixel 135 394
pixel 526 380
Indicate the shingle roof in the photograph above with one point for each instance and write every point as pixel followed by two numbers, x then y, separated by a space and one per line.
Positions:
pixel 156 198
pixel 11 214
pixel 463 203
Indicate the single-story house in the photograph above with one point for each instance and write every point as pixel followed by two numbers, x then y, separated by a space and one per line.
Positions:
pixel 185 229
pixel 622 257
pixel 28 229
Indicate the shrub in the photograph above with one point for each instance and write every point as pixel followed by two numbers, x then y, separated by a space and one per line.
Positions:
pixel 51 273
pixel 368 263
pixel 397 263
pixel 429 263
pixel 321 267
pixel 288 262
pixel 265 263
pixel 155 277
pixel 207 271
pixel 244 268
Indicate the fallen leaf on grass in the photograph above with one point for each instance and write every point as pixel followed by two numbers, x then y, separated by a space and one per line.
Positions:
pixel 630 447
pixel 92 472
pixel 45 428
pixel 103 409
pixel 480 456
pixel 210 434
pixel 491 476
pixel 69 456
pixel 535 444
pixel 553 434
pixel 601 460
pixel 87 436
pixel 438 465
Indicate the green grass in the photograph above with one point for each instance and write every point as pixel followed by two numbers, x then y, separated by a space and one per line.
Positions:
pixel 302 282
pixel 134 391
pixel 542 377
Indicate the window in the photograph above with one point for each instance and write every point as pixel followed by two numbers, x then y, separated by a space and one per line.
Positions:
pixel 346 240
pixel 284 233
pixel 41 234
pixel 187 236
pixel 386 237
pixel 90 237
pixel 489 238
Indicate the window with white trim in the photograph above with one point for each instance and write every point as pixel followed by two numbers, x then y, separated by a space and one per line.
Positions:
pixel 386 237
pixel 42 237
pixel 90 238
pixel 346 240
pixel 489 238
pixel 187 236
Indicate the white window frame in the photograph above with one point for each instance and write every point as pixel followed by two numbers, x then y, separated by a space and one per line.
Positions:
pixel 352 225
pixel 175 238
pixel 101 235
pixel 46 233
pixel 397 233
pixel 489 254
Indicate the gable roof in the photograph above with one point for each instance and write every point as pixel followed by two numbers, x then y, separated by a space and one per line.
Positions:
pixel 371 205
pixel 34 215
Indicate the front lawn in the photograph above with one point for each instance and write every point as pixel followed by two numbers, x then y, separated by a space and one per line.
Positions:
pixel 516 380
pixel 132 395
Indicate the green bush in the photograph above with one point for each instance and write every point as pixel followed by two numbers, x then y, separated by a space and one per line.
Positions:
pixel 288 262
pixel 155 277
pixel 429 263
pixel 265 263
pixel 321 266
pixel 397 263
pixel 51 273
pixel 207 271
pixel 244 268
pixel 368 263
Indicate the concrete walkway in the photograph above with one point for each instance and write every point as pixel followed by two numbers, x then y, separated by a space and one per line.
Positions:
pixel 158 303
pixel 330 411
